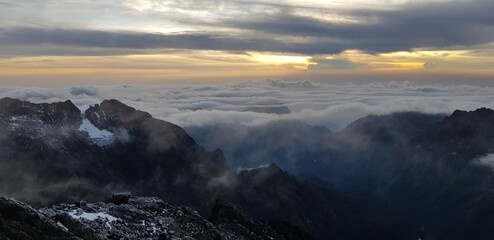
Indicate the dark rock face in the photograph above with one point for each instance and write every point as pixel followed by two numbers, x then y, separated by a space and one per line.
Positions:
pixel 467 134
pixel 422 168
pixel 20 221
pixel 157 158
pixel 120 198
pixel 231 217
pixel 44 153
pixel 271 193
pixel 64 113
pixel 429 175
pixel 41 150
pixel 140 218
pixel 114 115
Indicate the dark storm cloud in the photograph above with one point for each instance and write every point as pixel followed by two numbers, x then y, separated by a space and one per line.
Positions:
pixel 283 29
pixel 36 49
pixel 133 40
pixel 444 24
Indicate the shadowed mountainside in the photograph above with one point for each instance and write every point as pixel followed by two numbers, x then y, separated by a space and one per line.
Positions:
pixel 426 168
pixel 53 153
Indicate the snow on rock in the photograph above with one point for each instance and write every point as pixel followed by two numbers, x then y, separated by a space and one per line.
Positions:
pixel 139 218
pixel 62 226
pixel 25 118
pixel 240 169
pixel 92 216
pixel 19 121
pixel 100 137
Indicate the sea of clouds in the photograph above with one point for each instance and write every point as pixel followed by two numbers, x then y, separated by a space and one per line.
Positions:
pixel 326 104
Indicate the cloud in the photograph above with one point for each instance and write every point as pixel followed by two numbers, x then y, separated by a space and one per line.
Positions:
pixel 30 94
pixel 317 103
pixel 422 25
pixel 430 65
pixel 249 26
pixel 487 161
pixel 128 42
pixel 332 64
pixel 88 91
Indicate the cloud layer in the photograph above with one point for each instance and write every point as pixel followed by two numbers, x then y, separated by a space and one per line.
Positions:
pixel 287 26
pixel 249 102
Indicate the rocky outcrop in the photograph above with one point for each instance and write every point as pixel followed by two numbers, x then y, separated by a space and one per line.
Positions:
pixel 465 134
pixel 232 218
pixel 139 218
pixel 20 221
pixel 271 193
pixel 47 113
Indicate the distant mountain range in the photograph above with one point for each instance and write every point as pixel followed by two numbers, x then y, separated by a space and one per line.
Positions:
pixel 399 176
pixel 431 170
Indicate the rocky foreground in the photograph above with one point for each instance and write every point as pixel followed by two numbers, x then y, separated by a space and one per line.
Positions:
pixel 134 218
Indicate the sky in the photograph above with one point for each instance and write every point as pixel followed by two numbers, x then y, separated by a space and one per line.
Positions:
pixel 110 42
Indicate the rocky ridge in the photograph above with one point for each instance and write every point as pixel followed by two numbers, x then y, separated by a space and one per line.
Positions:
pixel 134 218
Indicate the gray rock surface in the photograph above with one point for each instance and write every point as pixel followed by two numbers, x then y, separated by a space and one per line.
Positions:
pixel 139 218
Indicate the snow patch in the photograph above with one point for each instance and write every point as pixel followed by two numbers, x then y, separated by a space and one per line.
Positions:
pixel 16 122
pixel 239 169
pixel 59 224
pixel 25 118
pixel 92 216
pixel 100 137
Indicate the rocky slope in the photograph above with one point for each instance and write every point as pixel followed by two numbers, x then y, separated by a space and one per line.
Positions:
pixel 53 153
pixel 134 218
pixel 45 150
pixel 269 192
pixel 433 171
pixel 397 176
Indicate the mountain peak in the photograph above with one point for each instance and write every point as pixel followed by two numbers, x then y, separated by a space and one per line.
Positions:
pixel 267 173
pixel 47 113
pixel 476 118
pixel 6 100
pixel 466 133
pixel 112 114
pixel 115 116
pixel 480 112
pixel 117 106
